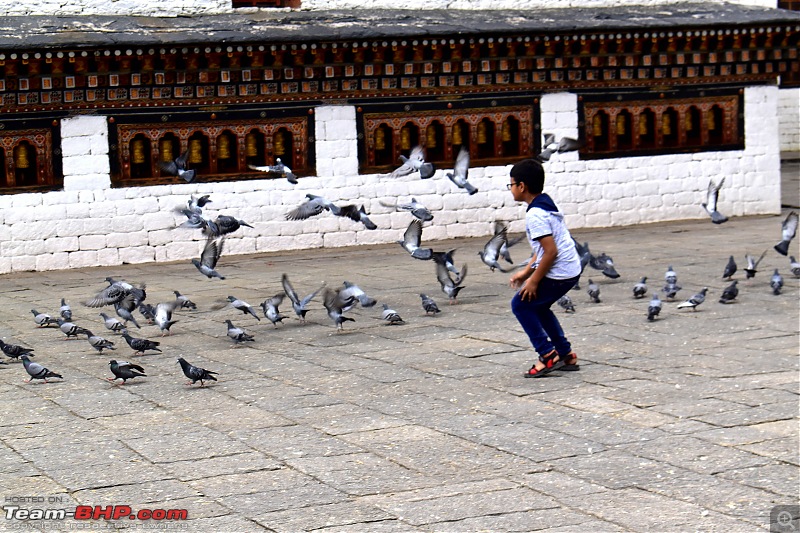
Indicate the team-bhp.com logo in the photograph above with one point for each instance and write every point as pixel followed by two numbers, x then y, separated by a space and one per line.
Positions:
pixel 88 512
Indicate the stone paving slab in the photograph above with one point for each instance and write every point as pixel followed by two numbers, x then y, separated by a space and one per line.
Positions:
pixel 686 423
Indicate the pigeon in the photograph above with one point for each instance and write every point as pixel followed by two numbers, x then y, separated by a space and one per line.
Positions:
pixel 504 253
pixel 125 309
pixel 355 291
pixel 670 290
pixel 208 259
pixel 429 305
pixel 729 293
pixel 124 370
pixel 270 308
pixel 730 269
pixel 98 342
pixel 566 303
pixel 605 264
pixel 195 373
pixel 585 255
pixel 277 168
pixel 43 320
pixel 224 225
pixel 148 312
pixel 776 282
pixel 163 318
pixel 788 231
pixel 491 250
pixel 196 220
pixel 412 239
pixel 298 305
pixel 71 330
pixel 794 266
pixel 415 162
pixel 111 323
pixel 140 346
pixel 37 371
pixel 447 259
pixel 418 210
pixel 238 334
pixel 177 167
pixel 116 292
pixel 550 146
pixel 184 302
pixel 710 205
pixel 335 302
pixel 752 264
pixel 391 316
pixel 594 292
pixel 243 306
pixel 357 214
pixel 65 312
pixel 695 300
pixel 450 286
pixel 196 205
pixel 314 206
pixel 670 277
pixel 15 351
pixel 654 308
pixel 640 289
pixel 461 171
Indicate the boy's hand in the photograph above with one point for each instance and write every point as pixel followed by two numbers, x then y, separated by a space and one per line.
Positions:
pixel 528 290
pixel 517 279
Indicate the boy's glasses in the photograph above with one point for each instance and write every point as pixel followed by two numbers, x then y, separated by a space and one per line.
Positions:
pixel 509 185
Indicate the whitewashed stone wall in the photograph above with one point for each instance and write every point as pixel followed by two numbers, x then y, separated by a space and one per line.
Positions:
pixel 91 224
pixel 789 115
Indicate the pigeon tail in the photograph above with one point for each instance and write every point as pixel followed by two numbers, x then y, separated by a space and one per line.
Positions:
pixel 782 247
pixel 718 218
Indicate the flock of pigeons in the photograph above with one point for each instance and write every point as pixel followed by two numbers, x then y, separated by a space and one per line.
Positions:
pixel 127 299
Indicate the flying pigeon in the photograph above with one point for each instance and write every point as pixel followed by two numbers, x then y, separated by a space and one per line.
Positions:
pixel 695 300
pixel 752 264
pixel 195 373
pixel 140 346
pixel 238 334
pixel 412 239
pixel 788 231
pixel 71 330
pixel 654 308
pixel 730 269
pixel 640 289
pixel 450 286
pixel 605 264
pixel 15 351
pixel 670 290
pixel 270 308
pixel 566 303
pixel 355 291
pixel 224 225
pixel 429 305
pixel 184 302
pixel 177 167
pixel 391 316
pixel 418 210
pixel 163 317
pixel 585 255
pixel 314 206
pixel 710 204
pixel 729 293
pixel 65 312
pixel 243 306
pixel 37 371
pixel 196 204
pixel 335 303
pixel 447 259
pixel 504 252
pixel 277 168
pixel 776 282
pixel 116 292
pixel 491 250
pixel 124 309
pixel 594 292
pixel 208 259
pixel 98 342
pixel 196 220
pixel 112 323
pixel 124 370
pixel 415 162
pixel 794 266
pixel 298 305
pixel 43 320
pixel 550 146
pixel 357 214
pixel 461 171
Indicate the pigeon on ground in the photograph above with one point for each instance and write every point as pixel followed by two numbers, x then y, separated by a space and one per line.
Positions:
pixel 566 303
pixel 356 214
pixel 491 250
pixel 447 259
pixel 277 168
pixel 594 292
pixel 429 305
pixel 695 300
pixel 550 146
pixel 298 305
pixel 710 205
pixel 112 323
pixel 730 269
pixel 605 264
pixel 71 330
pixel 418 210
pixel 461 171
pixel 640 289
pixel 124 370
pixel 124 310
pixel 177 167
pixel 730 293
pixel 585 255
pixel 238 334
pixel 794 266
pixel 788 231
pixel 140 346
pixel 670 277
pixel 335 303
pixel 116 292
pixel 776 282
pixel 654 308
pixel 354 290
pixel 243 306
pixel 148 312
pixel 415 162
pixel 14 351
pixel 391 316
pixel 451 287
pixel 195 373
pixel 412 239
pixel 670 290
pixel 752 264
pixel 224 225
pixel 184 302
pixel 98 342
pixel 37 371
pixel 65 312
pixel 43 320
pixel 314 206
pixel 270 308
pixel 163 318
pixel 208 259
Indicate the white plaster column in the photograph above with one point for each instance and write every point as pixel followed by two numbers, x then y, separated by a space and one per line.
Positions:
pixel 336 141
pixel 761 161
pixel 84 149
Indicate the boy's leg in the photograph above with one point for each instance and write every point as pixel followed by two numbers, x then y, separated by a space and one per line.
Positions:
pixel 528 316
pixel 548 293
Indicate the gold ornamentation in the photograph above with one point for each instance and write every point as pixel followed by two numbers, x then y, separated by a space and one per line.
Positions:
pixel 457 134
pixel 21 157
pixel 251 145
pixel 405 138
pixel 279 143
pixel 482 136
pixel 195 151
pixel 165 149
pixel 223 147
pixel 380 139
pixel 138 156
pixel 430 136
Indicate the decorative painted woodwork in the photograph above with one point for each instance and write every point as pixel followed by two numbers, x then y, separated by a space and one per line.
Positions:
pixel 29 160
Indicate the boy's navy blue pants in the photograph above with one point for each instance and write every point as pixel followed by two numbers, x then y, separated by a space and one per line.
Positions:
pixel 538 321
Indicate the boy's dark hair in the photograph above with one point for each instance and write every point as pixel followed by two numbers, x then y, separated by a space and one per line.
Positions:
pixel 531 173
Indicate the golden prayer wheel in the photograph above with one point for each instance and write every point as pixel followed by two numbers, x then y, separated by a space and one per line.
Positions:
pixel 597 126
pixel 711 122
pixel 458 136
pixel 689 122
pixel 642 125
pixel 482 137
pixel 195 151
pixel 505 132
pixel 223 147
pixel 21 157
pixel 279 143
pixel 251 145
pixel 380 139
pixel 137 148
pixel 621 125
pixel 430 136
pixel 405 138
pixel 165 149
pixel 666 125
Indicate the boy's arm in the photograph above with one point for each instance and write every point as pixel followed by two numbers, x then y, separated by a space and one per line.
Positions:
pixel 517 278
pixel 549 253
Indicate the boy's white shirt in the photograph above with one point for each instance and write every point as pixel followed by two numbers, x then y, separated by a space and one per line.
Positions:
pixel 539 223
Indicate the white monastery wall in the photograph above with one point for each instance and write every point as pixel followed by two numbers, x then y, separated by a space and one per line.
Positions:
pixel 90 224
pixel 789 116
